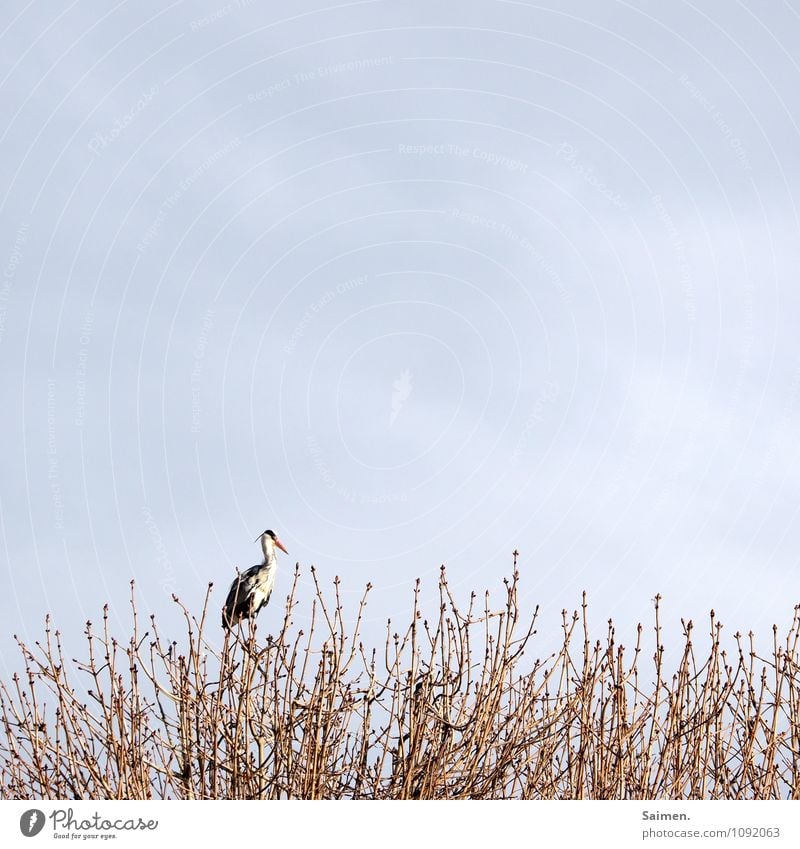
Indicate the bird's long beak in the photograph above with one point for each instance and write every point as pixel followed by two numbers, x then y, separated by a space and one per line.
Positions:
pixel 280 545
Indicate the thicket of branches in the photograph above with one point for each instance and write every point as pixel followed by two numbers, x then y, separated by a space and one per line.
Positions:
pixel 452 706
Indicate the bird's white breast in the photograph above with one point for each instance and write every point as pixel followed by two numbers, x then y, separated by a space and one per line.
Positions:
pixel 263 585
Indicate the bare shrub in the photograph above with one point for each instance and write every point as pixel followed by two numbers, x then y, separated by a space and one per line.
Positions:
pixel 449 707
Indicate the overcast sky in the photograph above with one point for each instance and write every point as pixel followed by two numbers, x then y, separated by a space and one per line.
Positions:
pixel 410 283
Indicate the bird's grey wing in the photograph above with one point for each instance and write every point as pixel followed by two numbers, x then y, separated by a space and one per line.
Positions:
pixel 240 589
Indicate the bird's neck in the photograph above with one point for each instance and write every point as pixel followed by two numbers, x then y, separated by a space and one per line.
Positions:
pixel 268 547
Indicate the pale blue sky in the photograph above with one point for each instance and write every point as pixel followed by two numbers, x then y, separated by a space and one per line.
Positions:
pixel 411 283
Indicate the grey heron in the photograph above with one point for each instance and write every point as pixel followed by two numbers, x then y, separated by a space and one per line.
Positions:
pixel 251 590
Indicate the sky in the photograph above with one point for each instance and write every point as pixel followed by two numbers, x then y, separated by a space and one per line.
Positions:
pixel 411 284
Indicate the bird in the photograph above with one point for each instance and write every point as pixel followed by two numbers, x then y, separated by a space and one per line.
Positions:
pixel 251 590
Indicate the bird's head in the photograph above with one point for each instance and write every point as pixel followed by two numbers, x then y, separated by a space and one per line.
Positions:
pixel 270 537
